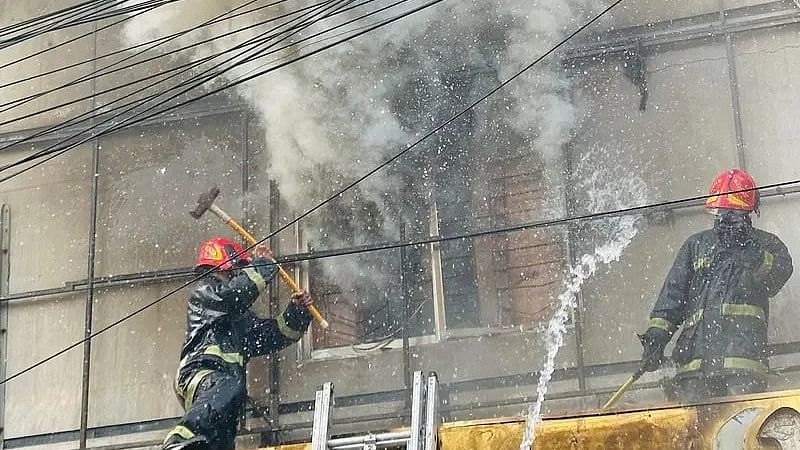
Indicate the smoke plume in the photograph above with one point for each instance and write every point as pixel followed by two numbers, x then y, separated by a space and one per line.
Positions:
pixel 330 118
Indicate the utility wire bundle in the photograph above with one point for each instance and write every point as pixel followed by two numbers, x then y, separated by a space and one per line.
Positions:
pixel 80 14
pixel 141 108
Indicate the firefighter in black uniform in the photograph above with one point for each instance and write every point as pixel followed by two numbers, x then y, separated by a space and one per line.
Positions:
pixel 222 335
pixel 718 290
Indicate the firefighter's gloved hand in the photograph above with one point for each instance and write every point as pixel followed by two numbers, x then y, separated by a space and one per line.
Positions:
pixel 262 251
pixel 302 298
pixel 654 341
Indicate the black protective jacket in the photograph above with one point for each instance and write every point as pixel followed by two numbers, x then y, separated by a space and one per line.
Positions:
pixel 223 333
pixel 718 291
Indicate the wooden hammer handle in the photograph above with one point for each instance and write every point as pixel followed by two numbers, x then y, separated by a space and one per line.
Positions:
pixel 285 277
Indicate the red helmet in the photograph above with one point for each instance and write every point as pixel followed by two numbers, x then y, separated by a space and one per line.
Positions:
pixel 218 250
pixel 743 194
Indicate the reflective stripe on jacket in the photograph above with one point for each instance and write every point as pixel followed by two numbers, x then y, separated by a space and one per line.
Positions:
pixel 223 333
pixel 718 293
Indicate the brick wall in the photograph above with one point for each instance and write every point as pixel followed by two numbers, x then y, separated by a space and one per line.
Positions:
pixel 520 273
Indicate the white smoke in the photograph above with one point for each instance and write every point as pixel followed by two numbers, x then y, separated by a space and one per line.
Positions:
pixel 331 118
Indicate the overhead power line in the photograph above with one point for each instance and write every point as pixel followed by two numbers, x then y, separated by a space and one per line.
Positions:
pixel 59 24
pixel 628 211
pixel 69 41
pixel 187 66
pixel 216 20
pixel 205 273
pixel 57 150
pixel 89 115
pixel 124 10
pixel 103 71
pixel 80 16
pixel 27 23
pixel 130 106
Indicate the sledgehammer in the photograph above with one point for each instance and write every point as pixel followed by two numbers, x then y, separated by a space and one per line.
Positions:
pixel 206 203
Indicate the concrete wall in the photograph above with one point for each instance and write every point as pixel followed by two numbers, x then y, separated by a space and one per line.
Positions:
pixel 769 108
pixel 49 233
pixel 134 364
pixel 678 144
pixel 151 178
pixel 684 138
pixel 650 11
pixel 49 209
pixel 46 398
pixel 13 13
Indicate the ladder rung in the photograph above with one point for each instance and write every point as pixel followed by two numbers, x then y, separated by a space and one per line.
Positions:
pixel 422 435
pixel 381 440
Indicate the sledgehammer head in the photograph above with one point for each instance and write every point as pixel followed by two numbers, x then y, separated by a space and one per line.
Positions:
pixel 204 202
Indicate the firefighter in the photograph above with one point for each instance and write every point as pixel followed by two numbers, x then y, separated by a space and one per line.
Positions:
pixel 222 335
pixel 718 291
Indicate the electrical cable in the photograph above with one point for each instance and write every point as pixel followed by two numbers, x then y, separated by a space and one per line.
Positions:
pixel 207 272
pixel 56 26
pixel 298 49
pixel 307 55
pixel 123 11
pixel 32 21
pixel 384 341
pixel 89 114
pixel 28 22
pixel 93 14
pixel 54 152
pixel 18 102
pixel 190 65
pixel 69 41
pixel 102 71
pixel 24 100
pixel 59 152
pixel 433 239
pixel 133 47
pixel 513 228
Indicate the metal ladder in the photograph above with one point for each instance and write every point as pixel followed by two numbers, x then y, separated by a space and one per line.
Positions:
pixel 422 434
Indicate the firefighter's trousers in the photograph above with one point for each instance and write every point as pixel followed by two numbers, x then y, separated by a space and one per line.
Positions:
pixel 693 389
pixel 213 400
